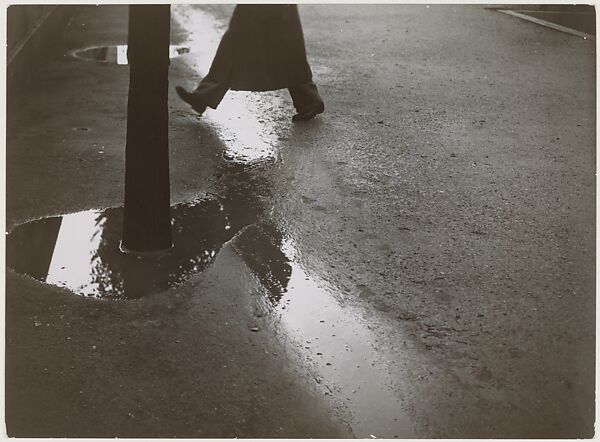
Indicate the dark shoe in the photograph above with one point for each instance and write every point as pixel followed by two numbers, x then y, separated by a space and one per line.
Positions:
pixel 311 113
pixel 191 99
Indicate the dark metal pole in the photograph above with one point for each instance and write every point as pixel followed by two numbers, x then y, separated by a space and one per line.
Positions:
pixel 147 221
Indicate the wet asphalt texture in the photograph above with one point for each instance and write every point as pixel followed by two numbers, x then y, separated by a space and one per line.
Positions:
pixel 447 195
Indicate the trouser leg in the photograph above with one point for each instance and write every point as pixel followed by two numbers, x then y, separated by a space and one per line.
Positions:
pixel 305 96
pixel 211 92
pixel 215 85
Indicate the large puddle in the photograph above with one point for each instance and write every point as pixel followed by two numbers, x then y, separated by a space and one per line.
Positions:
pixel 80 251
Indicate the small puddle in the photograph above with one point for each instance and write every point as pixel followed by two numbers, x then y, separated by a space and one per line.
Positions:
pixel 247 122
pixel 350 364
pixel 118 54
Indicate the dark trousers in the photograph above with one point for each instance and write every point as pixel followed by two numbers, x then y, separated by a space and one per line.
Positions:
pixel 305 96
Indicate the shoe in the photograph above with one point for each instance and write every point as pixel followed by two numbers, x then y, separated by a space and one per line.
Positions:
pixel 191 99
pixel 312 113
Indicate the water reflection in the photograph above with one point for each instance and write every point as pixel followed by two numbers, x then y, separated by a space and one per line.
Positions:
pixel 118 54
pixel 261 249
pixel 80 251
pixel 347 360
pixel 85 256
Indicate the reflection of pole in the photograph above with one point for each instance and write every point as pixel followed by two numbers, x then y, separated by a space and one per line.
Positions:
pixel 147 224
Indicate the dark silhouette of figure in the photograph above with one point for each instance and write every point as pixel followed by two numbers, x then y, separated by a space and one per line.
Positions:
pixel 262 50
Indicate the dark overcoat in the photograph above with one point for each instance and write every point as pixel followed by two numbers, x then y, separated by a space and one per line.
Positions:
pixel 262 50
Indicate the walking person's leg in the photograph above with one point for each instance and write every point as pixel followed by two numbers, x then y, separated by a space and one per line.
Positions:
pixel 306 100
pixel 215 85
pixel 209 93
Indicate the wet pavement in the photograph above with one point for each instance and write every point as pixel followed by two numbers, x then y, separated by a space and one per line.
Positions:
pixel 328 279
pixel 80 252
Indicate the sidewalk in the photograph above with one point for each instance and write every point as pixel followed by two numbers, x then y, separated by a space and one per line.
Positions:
pixel 440 215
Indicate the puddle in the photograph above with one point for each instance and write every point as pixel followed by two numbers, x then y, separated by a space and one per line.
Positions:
pixel 80 251
pixel 247 122
pixel 118 54
pixel 337 339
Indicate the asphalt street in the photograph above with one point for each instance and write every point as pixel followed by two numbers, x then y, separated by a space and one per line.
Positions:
pixel 418 261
